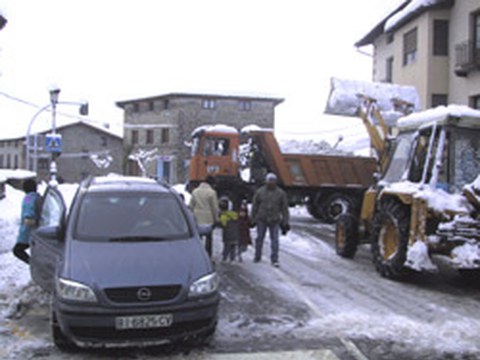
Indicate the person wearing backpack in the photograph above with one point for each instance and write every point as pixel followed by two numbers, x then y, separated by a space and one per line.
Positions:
pixel 29 219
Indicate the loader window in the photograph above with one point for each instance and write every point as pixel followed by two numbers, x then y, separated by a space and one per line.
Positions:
pixel 398 164
pixel 418 159
pixel 214 146
pixel 466 157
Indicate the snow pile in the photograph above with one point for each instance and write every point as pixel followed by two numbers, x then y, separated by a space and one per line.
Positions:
pixel 310 146
pixel 220 128
pixel 414 7
pixel 472 191
pixel 418 258
pixel 344 99
pixel 437 199
pixel 467 256
pixel 415 120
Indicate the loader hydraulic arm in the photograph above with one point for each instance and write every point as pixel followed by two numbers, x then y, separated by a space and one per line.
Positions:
pixel 377 129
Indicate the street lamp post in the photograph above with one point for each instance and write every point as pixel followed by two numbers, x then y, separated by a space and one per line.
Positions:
pixel 54 94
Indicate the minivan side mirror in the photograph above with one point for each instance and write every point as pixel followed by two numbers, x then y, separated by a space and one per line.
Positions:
pixel 50 232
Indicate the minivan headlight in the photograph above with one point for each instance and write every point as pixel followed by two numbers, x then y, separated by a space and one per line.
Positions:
pixel 74 291
pixel 204 286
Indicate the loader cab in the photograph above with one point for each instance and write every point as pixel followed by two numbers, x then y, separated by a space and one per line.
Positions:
pixel 214 153
pixel 445 155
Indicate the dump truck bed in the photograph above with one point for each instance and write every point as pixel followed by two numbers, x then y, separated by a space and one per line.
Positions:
pixel 300 170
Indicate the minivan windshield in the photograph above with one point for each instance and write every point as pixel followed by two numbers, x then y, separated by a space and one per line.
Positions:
pixel 130 217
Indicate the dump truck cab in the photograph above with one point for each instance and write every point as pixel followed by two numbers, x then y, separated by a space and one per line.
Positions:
pixel 214 153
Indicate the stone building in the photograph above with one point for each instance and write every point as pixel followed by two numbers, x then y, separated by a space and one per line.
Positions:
pixel 162 126
pixel 88 149
pixel 432 45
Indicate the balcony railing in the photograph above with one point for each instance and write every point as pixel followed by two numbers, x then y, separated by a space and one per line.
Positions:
pixel 467 58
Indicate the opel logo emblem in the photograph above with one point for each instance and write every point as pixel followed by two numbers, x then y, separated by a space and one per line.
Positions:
pixel 144 294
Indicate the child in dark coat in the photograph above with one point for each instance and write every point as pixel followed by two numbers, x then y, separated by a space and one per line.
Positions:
pixel 231 231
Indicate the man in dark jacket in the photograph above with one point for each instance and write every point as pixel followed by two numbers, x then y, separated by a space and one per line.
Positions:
pixel 269 211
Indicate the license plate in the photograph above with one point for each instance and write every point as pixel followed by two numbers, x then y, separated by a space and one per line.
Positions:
pixel 143 322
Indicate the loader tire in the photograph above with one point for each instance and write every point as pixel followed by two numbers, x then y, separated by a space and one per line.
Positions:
pixel 335 205
pixel 389 239
pixel 346 236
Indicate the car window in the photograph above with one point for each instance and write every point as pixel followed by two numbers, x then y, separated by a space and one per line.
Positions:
pixel 52 209
pixel 107 216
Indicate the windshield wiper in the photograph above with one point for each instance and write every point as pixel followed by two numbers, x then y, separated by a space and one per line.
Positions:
pixel 136 238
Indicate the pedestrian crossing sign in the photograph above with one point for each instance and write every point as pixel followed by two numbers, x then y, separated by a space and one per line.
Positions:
pixel 53 143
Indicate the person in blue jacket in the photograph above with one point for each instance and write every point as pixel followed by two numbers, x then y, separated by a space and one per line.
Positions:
pixel 29 219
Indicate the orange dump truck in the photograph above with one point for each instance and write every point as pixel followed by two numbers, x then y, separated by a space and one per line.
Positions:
pixel 329 185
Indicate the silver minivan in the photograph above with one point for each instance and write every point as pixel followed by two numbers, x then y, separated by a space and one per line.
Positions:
pixel 125 266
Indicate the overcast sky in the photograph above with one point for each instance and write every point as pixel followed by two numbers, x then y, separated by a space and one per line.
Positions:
pixel 106 50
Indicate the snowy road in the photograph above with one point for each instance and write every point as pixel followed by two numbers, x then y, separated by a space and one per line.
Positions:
pixel 316 306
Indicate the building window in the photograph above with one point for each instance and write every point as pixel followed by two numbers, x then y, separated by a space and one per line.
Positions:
pixel 135 108
pixel 410 47
pixel 166 104
pixel 390 37
pixel 245 105
pixel 208 104
pixel 104 141
pixel 389 70
pixel 439 99
pixel 150 137
pixel 165 136
pixel 151 106
pixel 134 137
pixel 1 161
pixel 440 37
pixel 8 161
pixel 15 162
pixel 475 102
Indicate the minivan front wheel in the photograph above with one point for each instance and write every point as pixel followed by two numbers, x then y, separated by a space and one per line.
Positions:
pixel 59 338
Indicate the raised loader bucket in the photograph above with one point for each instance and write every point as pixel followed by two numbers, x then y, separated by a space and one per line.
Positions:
pixel 346 97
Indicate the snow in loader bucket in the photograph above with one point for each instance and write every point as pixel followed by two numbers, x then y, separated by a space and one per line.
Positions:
pixel 345 97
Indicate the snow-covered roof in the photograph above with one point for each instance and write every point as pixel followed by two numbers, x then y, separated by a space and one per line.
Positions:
pixel 438 114
pixel 16 174
pixel 344 100
pixel 18 133
pixel 407 11
pixel 210 95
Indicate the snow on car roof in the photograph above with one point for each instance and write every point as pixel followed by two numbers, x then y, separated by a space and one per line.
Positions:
pixel 438 114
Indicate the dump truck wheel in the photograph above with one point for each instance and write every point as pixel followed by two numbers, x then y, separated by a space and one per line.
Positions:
pixel 346 236
pixel 313 210
pixel 334 206
pixel 390 239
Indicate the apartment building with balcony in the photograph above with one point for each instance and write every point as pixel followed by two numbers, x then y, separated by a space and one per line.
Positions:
pixel 162 126
pixel 433 45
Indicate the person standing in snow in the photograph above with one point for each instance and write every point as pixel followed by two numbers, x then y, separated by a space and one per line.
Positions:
pixel 204 204
pixel 244 225
pixel 270 211
pixel 231 230
pixel 29 219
